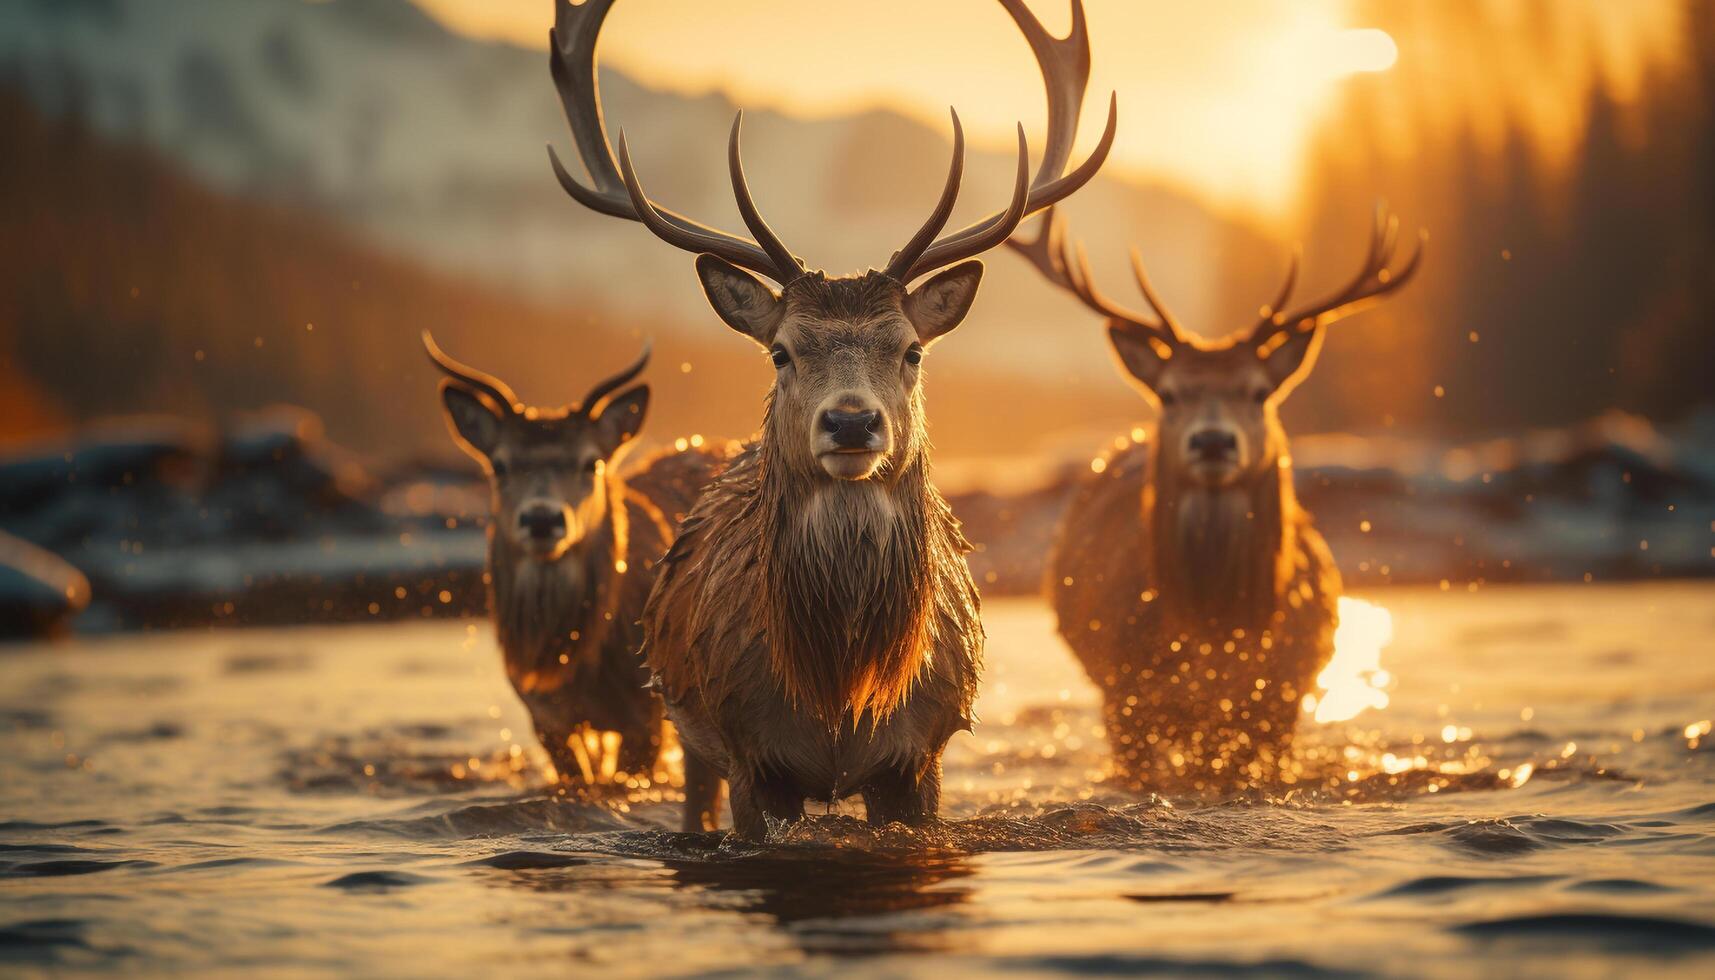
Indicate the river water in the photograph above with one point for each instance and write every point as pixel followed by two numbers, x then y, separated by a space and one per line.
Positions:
pixel 1538 796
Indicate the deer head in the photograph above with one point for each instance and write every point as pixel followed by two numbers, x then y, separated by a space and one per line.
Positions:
pixel 545 467
pixel 1219 400
pixel 846 350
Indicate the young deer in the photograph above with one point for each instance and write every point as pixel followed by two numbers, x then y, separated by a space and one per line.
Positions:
pixel 814 629
pixel 572 552
pixel 1186 578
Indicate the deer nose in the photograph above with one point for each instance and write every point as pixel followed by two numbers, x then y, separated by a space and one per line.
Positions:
pixel 543 523
pixel 851 430
pixel 1214 443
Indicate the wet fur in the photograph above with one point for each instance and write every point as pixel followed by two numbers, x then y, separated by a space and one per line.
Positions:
pixel 1240 565
pixel 815 638
pixel 540 607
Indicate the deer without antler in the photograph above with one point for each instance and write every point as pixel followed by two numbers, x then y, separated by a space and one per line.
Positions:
pixel 1197 594
pixel 572 551
pixel 814 629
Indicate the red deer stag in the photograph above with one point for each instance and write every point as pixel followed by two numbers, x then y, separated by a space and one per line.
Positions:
pixel 572 551
pixel 814 629
pixel 1196 592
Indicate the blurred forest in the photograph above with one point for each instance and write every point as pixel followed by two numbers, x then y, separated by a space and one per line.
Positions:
pixel 127 286
pixel 1553 288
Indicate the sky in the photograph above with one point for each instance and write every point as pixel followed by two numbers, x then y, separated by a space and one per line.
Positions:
pixel 1219 98
pixel 1247 77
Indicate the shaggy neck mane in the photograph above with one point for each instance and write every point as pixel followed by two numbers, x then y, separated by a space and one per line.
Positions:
pixel 544 609
pixel 1222 557
pixel 849 588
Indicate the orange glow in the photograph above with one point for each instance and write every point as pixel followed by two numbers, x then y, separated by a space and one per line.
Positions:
pixel 1354 680
pixel 1364 49
pixel 1222 99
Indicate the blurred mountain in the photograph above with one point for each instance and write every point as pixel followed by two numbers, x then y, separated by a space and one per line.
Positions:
pixel 128 287
pixel 431 143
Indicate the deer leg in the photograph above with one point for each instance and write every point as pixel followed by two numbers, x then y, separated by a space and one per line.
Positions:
pixel 908 796
pixel 1133 756
pixel 702 795
pixel 638 750
pixel 755 797
pixel 558 744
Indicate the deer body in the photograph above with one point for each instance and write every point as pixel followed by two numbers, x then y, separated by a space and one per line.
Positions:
pixel 569 629
pixel 888 621
pixel 814 630
pixel 1156 585
pixel 1189 583
pixel 572 552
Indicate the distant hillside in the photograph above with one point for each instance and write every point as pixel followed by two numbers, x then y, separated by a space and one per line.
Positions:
pixel 432 144
pixel 128 287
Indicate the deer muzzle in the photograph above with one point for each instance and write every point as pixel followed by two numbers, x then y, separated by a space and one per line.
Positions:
pixel 850 439
pixel 545 528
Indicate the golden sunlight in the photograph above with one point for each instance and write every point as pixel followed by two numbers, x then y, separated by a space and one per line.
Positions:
pixel 1354 680
pixel 1363 49
pixel 1239 89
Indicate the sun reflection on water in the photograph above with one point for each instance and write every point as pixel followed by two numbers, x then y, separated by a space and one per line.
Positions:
pixel 1354 680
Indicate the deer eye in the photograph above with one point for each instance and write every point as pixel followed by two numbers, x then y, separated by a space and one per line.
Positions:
pixel 591 466
pixel 1167 397
pixel 498 466
pixel 914 355
pixel 1261 395
pixel 778 354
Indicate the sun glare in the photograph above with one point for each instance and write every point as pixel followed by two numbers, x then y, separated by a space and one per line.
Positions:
pixel 1240 92
pixel 1354 680
pixel 1363 49
pixel 1221 99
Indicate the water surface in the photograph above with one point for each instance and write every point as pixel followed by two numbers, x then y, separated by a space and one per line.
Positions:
pixel 1537 797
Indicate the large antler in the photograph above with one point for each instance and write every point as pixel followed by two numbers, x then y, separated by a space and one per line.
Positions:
pixel 1068 266
pixel 1374 281
pixel 571 60
pixel 618 192
pixel 1065 66
pixel 487 385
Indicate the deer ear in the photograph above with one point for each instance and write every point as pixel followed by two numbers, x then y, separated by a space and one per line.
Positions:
pixel 940 304
pixel 1289 361
pixel 475 424
pixel 742 300
pixel 1142 356
pixel 621 419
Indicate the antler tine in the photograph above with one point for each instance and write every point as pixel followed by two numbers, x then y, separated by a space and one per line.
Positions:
pixel 782 258
pixel 491 387
pixel 1374 281
pixel 1045 251
pixel 900 265
pixel 1065 66
pixel 1052 253
pixel 979 237
pixel 1077 262
pixel 594 401
pixel 693 237
pixel 1272 311
pixel 572 62
pixel 1150 297
pixel 1005 223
